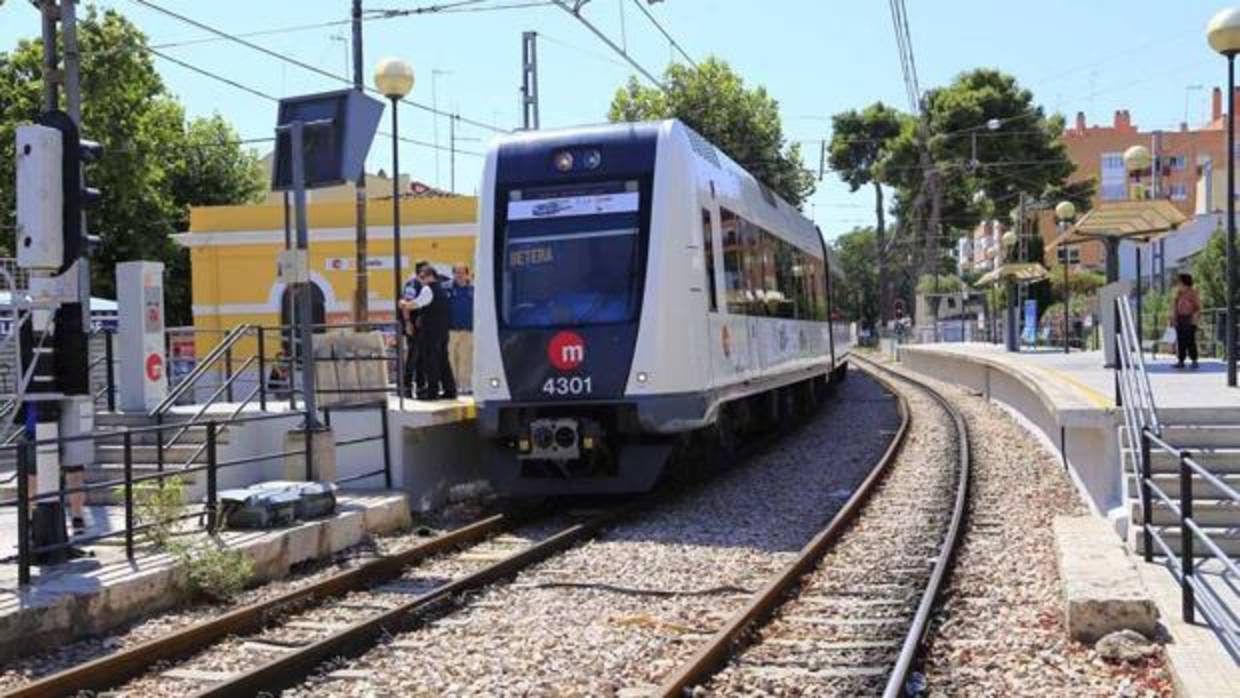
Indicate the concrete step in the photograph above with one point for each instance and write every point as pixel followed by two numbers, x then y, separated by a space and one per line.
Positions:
pixel 132 419
pixel 1206 512
pixel 1218 460
pixel 144 453
pixel 1228 539
pixel 1170 485
pixel 1202 435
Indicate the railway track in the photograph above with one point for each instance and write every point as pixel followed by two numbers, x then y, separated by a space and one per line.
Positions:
pixel 276 643
pixel 849 615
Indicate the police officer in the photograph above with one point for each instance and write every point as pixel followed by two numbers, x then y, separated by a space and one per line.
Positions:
pixel 414 378
pixel 434 307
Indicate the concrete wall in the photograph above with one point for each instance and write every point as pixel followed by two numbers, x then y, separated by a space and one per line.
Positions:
pixel 1088 437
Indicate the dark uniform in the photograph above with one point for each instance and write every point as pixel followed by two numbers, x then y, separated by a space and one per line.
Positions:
pixel 434 323
pixel 414 378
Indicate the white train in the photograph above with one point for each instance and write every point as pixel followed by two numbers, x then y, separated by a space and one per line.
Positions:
pixel 638 290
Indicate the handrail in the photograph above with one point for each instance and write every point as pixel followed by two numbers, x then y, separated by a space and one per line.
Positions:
pixel 208 362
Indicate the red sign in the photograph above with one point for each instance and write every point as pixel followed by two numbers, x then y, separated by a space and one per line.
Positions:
pixel 154 367
pixel 566 350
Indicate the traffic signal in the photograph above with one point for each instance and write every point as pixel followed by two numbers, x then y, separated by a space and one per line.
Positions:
pixel 51 196
pixel 78 198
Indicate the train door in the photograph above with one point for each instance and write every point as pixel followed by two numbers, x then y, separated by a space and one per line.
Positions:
pixel 731 330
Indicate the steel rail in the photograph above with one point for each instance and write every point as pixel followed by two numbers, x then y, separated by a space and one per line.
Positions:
pixel 113 670
pixel 723 644
pixel 727 641
pixel 292 668
pixel 955 531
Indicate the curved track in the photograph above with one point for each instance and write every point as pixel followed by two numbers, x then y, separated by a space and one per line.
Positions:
pixel 862 644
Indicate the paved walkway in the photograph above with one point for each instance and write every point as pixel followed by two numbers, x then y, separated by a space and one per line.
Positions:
pixel 1084 372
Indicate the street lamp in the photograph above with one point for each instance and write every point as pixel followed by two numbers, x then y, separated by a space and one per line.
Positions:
pixel 1136 159
pixel 394 78
pixel 1223 33
pixel 1011 336
pixel 1065 211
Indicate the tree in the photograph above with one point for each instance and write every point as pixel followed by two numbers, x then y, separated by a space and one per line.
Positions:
pixel 859 142
pixel 1210 271
pixel 155 164
pixel 1023 155
pixel 743 122
pixel 855 292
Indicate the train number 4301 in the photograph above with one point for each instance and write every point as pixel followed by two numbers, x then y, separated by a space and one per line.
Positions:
pixel 568 386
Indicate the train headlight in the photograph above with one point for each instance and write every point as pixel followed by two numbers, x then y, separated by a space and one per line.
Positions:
pixel 565 437
pixel 642 377
pixel 563 161
pixel 591 159
pixel 494 383
pixel 543 437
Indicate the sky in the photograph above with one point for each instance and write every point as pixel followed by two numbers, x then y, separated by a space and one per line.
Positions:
pixel 816 57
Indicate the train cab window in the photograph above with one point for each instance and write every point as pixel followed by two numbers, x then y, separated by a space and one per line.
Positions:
pixel 733 262
pixel 708 251
pixel 572 256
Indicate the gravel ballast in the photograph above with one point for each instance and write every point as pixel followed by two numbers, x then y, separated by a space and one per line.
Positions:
pixel 613 616
pixel 1000 630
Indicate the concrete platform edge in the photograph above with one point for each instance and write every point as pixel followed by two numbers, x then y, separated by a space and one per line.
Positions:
pixel 75 606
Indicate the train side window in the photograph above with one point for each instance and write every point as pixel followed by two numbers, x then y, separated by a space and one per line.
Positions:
pixel 785 282
pixel 708 249
pixel 733 261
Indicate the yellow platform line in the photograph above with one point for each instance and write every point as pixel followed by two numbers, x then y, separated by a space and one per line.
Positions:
pixel 1090 395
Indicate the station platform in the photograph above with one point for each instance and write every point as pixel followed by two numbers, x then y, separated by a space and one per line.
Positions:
pixel 92 595
pixel 1070 400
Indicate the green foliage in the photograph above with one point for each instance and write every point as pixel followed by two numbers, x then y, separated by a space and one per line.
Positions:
pixel 159 507
pixel 156 163
pixel 939 283
pixel 744 122
pixel 1081 282
pixel 1210 272
pixel 213 572
pixel 955 113
pixel 859 141
pixel 856 295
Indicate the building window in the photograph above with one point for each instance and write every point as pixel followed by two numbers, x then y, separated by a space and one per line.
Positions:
pixel 1177 163
pixel 1178 192
pixel 1073 254
pixel 1114 178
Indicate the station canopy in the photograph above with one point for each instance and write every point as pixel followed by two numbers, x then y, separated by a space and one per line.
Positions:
pixel 1020 272
pixel 1143 220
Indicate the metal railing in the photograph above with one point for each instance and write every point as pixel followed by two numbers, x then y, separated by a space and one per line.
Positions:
pixel 208 515
pixel 1141 422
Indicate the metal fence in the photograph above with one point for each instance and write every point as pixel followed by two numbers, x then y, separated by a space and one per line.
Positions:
pixel 122 488
pixel 1141 417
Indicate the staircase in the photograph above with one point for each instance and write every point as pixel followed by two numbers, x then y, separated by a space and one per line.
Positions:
pixel 1215 447
pixel 110 453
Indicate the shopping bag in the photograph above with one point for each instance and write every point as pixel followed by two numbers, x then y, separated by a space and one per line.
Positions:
pixel 1168 336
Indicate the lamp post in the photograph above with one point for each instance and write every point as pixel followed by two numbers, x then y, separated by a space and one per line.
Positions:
pixel 394 78
pixel 1011 336
pixel 1136 160
pixel 1223 33
pixel 1065 211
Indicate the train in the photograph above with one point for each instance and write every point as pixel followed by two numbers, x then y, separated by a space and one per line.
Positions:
pixel 638 292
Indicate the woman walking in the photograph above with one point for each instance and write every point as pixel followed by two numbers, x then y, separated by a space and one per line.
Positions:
pixel 1185 310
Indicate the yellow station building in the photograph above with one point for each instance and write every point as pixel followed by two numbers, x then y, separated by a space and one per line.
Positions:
pixel 234 250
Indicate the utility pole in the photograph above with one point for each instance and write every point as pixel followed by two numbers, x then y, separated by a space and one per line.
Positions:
pixel 529 81
pixel 452 156
pixel 361 272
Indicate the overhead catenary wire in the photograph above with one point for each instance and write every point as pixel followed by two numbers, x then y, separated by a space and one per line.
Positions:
pixel 676 45
pixel 575 12
pixel 272 98
pixel 306 66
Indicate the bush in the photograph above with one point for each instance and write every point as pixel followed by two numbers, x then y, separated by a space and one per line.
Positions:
pixel 213 572
pixel 159 506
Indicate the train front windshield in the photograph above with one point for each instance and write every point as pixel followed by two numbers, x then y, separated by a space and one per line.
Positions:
pixel 571 255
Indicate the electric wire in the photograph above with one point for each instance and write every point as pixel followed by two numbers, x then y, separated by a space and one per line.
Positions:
pixel 666 35
pixel 306 66
pixel 574 11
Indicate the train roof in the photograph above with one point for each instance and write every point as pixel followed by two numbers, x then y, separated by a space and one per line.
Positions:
pixel 761 202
